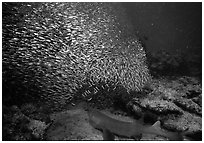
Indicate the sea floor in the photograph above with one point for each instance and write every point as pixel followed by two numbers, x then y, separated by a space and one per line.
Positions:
pixel 177 103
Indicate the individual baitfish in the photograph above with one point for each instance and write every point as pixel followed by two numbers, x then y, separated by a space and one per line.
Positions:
pixel 111 127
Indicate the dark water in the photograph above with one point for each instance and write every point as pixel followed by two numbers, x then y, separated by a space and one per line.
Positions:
pixel 172 30
pixel 169 26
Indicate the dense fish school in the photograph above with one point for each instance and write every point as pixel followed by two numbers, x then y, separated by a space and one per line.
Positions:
pixel 57 51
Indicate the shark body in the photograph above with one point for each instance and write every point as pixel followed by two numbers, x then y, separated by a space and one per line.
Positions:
pixel 111 127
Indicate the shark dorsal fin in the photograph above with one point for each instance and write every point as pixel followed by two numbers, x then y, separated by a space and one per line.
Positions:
pixel 157 124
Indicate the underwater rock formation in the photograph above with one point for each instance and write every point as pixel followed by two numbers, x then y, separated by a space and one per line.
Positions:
pixel 18 126
pixel 173 103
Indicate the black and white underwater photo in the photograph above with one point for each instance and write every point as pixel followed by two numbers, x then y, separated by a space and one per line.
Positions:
pixel 123 71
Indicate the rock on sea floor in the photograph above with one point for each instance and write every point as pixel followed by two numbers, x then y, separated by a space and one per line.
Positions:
pixel 71 125
pixel 176 102
pixel 24 123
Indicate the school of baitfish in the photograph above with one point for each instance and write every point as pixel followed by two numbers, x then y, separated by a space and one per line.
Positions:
pixel 56 50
